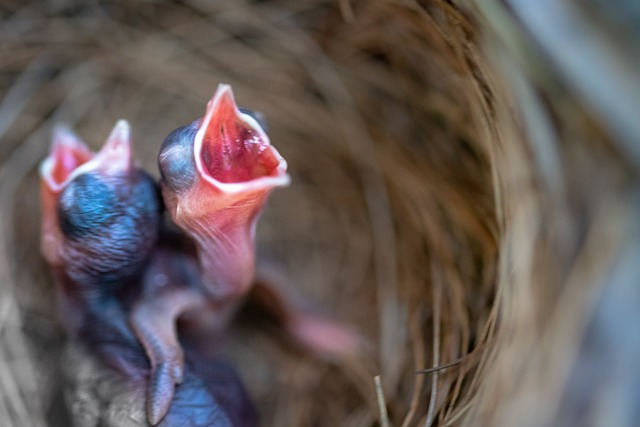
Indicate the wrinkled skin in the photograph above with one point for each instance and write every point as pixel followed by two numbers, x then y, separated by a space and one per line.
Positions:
pixel 101 235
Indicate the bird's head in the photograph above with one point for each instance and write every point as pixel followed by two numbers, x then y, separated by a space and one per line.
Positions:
pixel 100 212
pixel 216 176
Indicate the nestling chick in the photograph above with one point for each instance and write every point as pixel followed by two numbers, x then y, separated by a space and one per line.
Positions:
pixel 100 219
pixel 101 224
pixel 217 174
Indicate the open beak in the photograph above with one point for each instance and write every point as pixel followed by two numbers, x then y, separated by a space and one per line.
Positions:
pixel 232 151
pixel 236 169
pixel 69 156
pixel 67 153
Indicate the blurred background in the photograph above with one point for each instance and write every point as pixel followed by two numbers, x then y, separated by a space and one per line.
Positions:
pixel 464 192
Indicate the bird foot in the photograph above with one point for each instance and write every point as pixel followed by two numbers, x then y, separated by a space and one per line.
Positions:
pixel 164 378
pixel 153 321
pixel 324 337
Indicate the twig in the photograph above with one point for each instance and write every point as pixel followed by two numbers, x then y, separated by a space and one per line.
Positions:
pixel 441 367
pixel 382 406
pixel 437 306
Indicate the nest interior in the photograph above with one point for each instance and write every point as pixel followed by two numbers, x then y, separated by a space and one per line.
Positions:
pixel 439 203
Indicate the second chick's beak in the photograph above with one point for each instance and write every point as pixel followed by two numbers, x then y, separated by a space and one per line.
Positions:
pixel 217 174
pixel 67 154
pixel 116 155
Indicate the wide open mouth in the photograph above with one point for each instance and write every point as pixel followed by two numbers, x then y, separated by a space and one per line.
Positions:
pixel 67 153
pixel 69 156
pixel 232 150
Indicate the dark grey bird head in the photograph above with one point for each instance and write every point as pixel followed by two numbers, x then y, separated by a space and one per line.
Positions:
pixel 100 213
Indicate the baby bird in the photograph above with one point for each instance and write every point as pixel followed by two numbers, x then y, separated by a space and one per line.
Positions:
pixel 101 218
pixel 102 236
pixel 217 174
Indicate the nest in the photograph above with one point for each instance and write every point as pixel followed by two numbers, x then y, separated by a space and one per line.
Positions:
pixel 458 196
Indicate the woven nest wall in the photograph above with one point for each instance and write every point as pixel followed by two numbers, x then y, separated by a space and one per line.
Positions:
pixel 464 194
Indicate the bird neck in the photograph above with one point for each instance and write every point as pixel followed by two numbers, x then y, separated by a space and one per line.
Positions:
pixel 226 252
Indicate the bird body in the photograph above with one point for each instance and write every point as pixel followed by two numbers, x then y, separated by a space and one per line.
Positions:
pixel 102 223
pixel 217 174
pixel 106 374
pixel 124 277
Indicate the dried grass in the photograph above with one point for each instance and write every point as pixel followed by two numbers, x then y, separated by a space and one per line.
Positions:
pixel 388 225
pixel 411 174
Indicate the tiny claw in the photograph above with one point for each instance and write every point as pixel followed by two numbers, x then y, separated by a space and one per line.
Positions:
pixel 177 371
pixel 161 391
pixel 163 380
pixel 174 361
